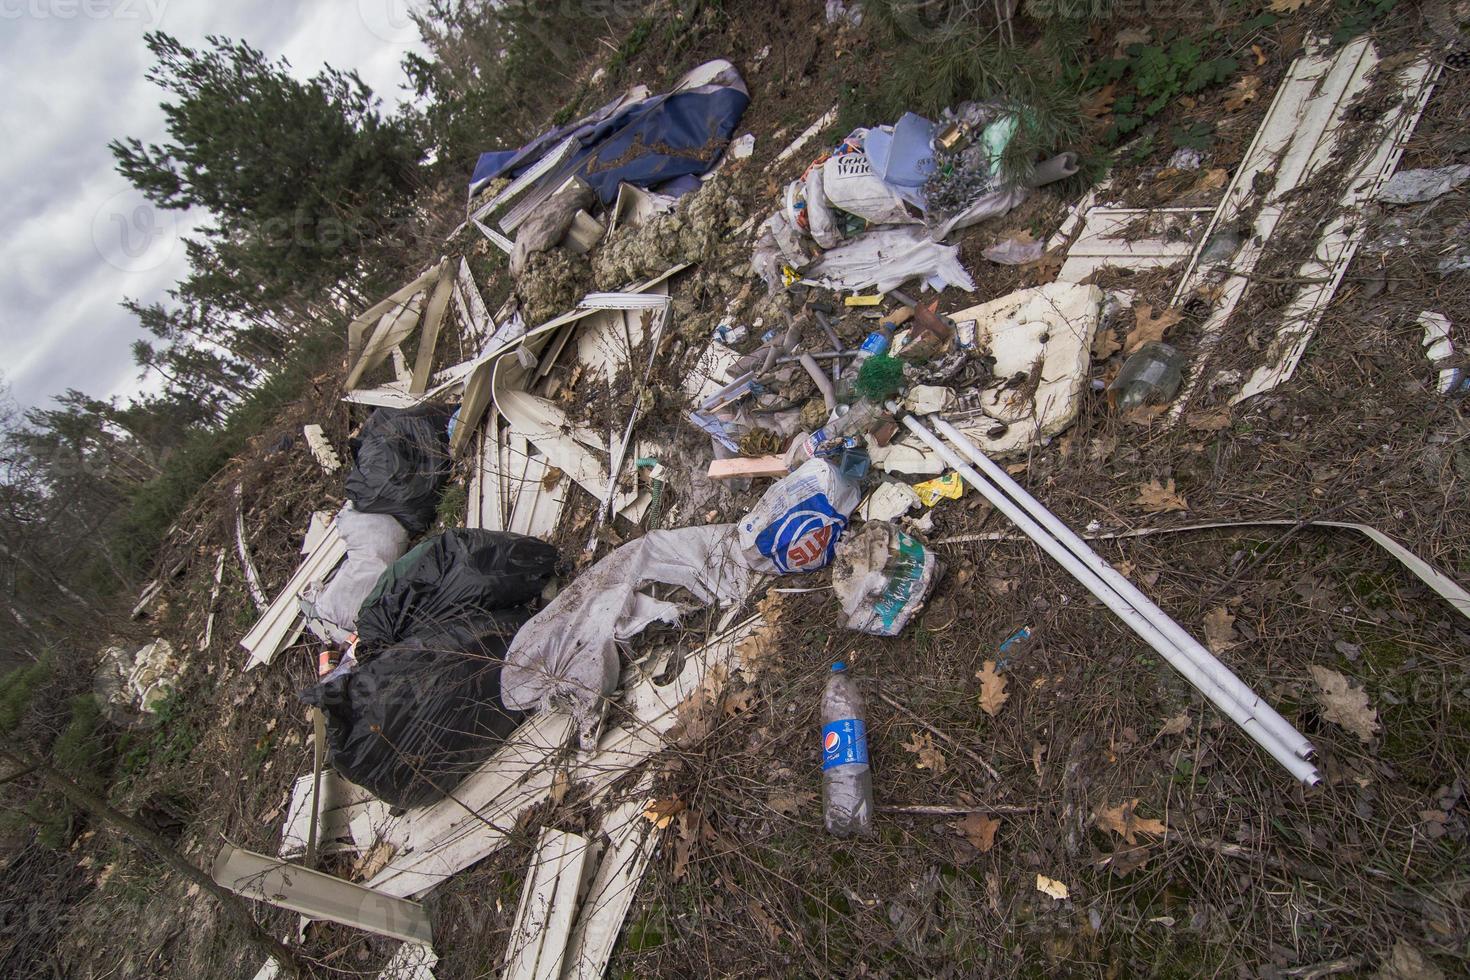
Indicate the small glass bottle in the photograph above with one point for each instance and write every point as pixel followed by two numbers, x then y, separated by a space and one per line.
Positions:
pixel 1151 375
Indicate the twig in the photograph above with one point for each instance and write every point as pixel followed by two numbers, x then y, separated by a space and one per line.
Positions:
pixel 1325 969
pixel 937 733
pixel 945 810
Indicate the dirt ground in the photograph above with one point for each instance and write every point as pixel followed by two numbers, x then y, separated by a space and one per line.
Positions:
pixel 1183 849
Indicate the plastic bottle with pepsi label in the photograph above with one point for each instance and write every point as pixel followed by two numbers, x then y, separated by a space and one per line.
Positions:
pixel 847 782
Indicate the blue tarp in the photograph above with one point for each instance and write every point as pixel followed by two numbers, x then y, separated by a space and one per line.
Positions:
pixel 646 143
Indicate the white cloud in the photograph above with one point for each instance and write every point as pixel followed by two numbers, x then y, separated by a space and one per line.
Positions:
pixel 74 239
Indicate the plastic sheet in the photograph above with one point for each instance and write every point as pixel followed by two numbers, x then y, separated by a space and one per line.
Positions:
pixel 569 651
pixel 401 462
pixel 453 581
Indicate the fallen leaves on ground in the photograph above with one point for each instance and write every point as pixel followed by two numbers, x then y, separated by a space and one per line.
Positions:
pixel 922 745
pixel 1125 860
pixel 1052 887
pixel 1220 630
pixel 739 701
pixel 1344 705
pixel 992 689
pixel 1144 415
pixel 759 651
pixel 1149 326
pixel 1244 90
pixel 1405 962
pixel 552 478
pixel 661 813
pixel 1105 343
pixel 693 829
pixel 1099 103
pixel 1124 821
pixel 1208 421
pixel 1160 498
pixel 1177 725
pixel 1211 179
pixel 789 802
pixel 978 829
pixel 1287 6
pixel 764 921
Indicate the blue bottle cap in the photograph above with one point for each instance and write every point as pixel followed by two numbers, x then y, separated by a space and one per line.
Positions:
pixel 839 665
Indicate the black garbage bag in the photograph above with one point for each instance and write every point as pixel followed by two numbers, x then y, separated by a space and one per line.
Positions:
pixel 413 720
pixel 450 582
pixel 401 463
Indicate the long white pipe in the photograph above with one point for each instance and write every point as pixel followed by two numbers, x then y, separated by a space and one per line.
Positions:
pixel 1206 684
pixel 1181 638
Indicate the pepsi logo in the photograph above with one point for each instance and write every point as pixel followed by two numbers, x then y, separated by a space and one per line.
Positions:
pixel 831 742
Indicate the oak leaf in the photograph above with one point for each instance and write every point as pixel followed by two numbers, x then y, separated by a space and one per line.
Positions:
pixel 1219 630
pixel 1125 822
pixel 1052 887
pixel 1160 498
pixel 1149 326
pixel 922 745
pixel 992 689
pixel 1344 705
pixel 1177 725
pixel 979 830
pixel 1244 90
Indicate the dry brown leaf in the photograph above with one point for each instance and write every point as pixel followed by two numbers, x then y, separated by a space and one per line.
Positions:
pixel 1210 180
pixel 1052 887
pixel 922 745
pixel 739 701
pixel 767 925
pixel 1344 705
pixel 561 782
pixel 1219 630
pixel 1260 54
pixel 1105 343
pixel 789 802
pixel 1208 421
pixel 1160 498
pixel 1406 962
pixel 1144 415
pixel 1149 326
pixel 1287 6
pixel 979 830
pixel 1177 725
pixel 992 689
pixel 1244 90
pixel 551 479
pixel 1125 822
pixel 661 813
pixel 1099 103
pixel 1125 860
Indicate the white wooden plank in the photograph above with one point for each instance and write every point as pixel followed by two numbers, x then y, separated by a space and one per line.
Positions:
pixel 323 451
pixel 1324 270
pixel 548 905
pixel 318 895
pixel 283 615
pixel 1301 128
pixel 631 841
pixel 479 315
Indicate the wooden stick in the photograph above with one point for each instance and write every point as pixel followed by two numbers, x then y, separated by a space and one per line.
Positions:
pixel 945 810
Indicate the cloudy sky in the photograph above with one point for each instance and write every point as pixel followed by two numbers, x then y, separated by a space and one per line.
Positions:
pixel 76 238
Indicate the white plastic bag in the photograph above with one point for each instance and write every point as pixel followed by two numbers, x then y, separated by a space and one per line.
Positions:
pixel 886 257
pixel 881 578
pixel 569 650
pixel 795 526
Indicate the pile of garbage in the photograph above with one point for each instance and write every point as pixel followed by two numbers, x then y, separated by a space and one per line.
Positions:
pixel 874 210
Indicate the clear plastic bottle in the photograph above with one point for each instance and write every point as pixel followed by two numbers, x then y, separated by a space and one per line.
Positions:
pixel 1151 375
pixel 861 416
pixel 876 343
pixel 847 782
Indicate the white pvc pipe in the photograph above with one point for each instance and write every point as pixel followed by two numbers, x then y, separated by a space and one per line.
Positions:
pixel 1181 638
pixel 1206 684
